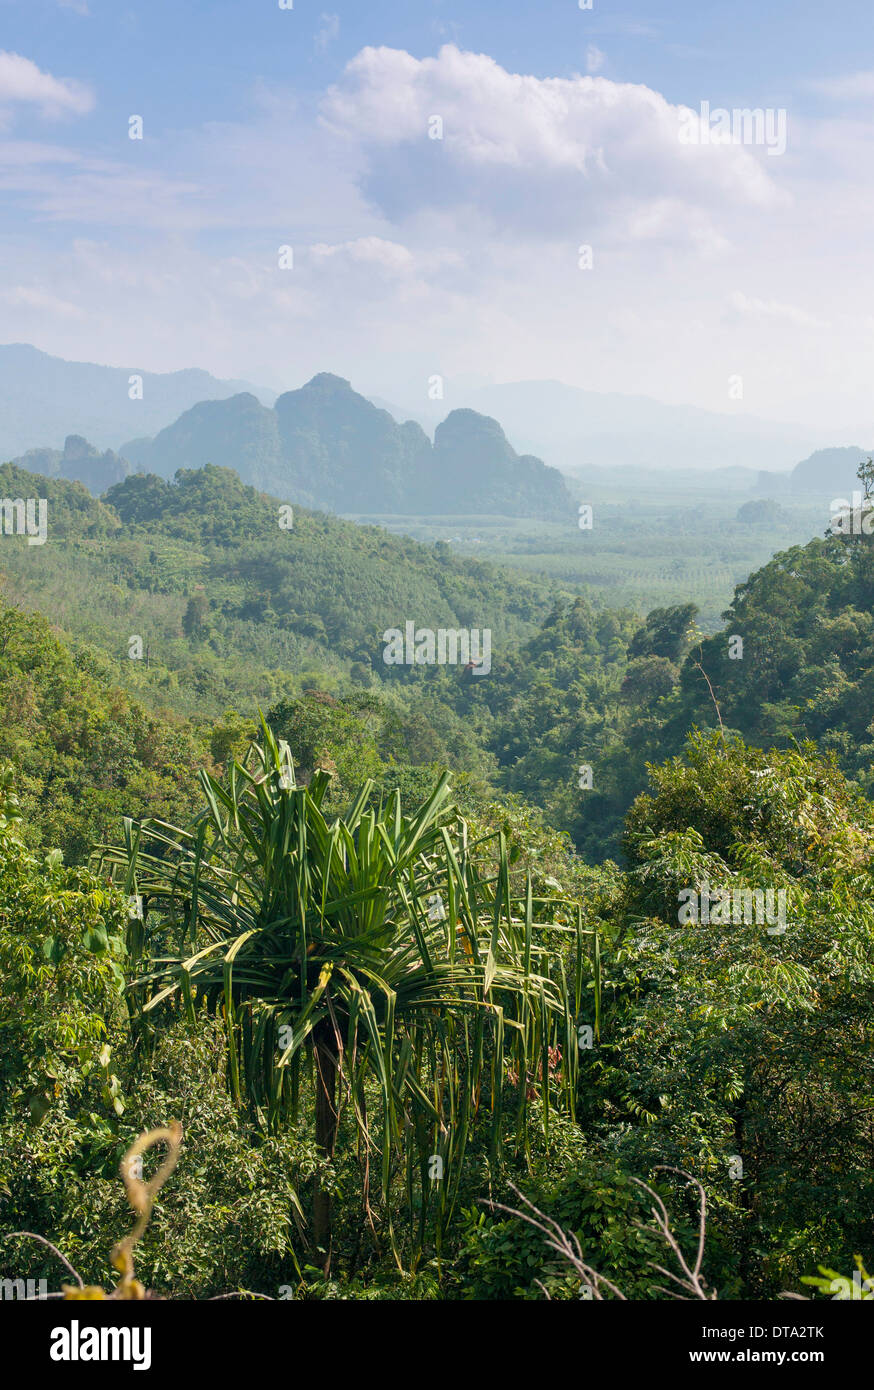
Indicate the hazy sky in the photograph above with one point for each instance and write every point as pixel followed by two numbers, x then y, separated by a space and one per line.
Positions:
pixel 561 127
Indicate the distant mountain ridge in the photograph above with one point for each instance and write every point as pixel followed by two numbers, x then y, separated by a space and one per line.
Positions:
pixel 829 470
pixel 77 462
pixel 578 429
pixel 326 446
pixel 329 447
pixel 43 399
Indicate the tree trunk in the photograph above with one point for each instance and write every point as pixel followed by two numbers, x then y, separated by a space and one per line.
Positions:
pixel 326 1135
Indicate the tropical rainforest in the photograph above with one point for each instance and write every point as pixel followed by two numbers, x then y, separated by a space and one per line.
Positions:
pixel 398 945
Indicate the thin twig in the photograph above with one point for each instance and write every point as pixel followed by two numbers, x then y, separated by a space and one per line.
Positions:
pixel 714 699
pixel 562 1242
pixel 568 1246
pixel 29 1235
pixel 692 1281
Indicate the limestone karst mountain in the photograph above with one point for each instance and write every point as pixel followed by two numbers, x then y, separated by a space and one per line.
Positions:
pixel 326 446
pixel 78 462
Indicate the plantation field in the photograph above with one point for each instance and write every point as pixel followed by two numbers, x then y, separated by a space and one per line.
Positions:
pixel 650 551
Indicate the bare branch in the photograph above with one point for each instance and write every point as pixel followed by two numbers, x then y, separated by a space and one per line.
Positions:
pixel 29 1235
pixel 562 1242
pixel 567 1245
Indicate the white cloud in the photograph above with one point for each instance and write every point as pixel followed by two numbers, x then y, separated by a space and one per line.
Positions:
pixel 330 28
pixel 22 82
pixel 752 307
pixel 855 86
pixel 671 221
pixel 61 184
pixel 532 156
pixel 414 256
pixel 31 297
pixel 372 250
pixel 32 153
pixel 595 59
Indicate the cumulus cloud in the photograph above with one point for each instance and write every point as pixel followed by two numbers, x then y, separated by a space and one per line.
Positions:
pixel 457 255
pixel 533 154
pixel 22 82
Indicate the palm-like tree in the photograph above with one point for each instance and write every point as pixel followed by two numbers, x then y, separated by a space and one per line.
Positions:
pixel 380 952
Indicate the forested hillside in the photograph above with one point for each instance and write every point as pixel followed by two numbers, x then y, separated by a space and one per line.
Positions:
pixel 234 598
pixel 84 751
pixel 437 731
pixel 233 612
pixel 420 933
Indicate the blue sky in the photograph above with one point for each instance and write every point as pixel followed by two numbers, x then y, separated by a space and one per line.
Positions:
pixel 198 57
pixel 457 256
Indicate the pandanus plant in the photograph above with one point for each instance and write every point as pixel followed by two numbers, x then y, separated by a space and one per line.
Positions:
pixel 379 954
